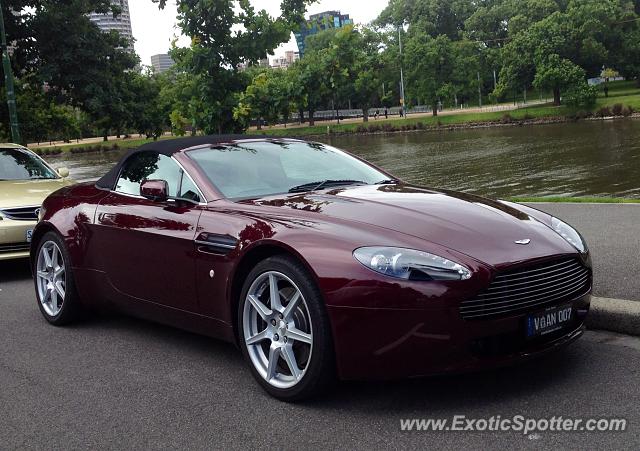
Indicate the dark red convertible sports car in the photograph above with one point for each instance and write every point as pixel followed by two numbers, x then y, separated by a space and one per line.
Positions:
pixel 316 263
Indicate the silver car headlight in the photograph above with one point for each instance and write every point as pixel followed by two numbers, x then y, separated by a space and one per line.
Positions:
pixel 569 234
pixel 410 264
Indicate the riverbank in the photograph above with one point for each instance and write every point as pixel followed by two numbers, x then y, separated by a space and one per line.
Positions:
pixel 575 200
pixel 538 115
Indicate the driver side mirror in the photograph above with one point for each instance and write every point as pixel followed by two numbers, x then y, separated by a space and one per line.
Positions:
pixel 155 190
pixel 63 172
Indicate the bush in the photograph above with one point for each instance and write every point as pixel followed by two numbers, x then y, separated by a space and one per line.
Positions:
pixel 604 111
pixel 582 114
pixel 582 95
pixel 617 109
pixel 506 119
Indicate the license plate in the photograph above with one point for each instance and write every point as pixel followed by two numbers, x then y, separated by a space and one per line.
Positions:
pixel 29 235
pixel 548 321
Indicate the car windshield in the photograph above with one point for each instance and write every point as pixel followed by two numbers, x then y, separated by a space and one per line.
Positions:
pixel 19 164
pixel 257 169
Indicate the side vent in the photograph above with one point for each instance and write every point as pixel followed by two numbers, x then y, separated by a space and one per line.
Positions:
pixel 210 243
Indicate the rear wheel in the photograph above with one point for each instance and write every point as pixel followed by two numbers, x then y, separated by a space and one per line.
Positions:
pixel 55 287
pixel 284 330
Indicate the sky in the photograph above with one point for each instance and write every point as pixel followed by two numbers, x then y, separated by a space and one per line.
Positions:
pixel 154 29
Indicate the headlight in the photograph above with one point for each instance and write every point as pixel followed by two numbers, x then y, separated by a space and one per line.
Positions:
pixel 410 264
pixel 569 234
pixel 40 213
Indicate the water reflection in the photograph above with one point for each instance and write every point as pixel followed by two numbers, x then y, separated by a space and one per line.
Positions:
pixel 577 159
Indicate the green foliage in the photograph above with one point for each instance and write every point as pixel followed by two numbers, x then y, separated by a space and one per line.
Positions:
pixel 73 80
pixel 178 123
pixel 66 67
pixel 581 95
pixel 225 34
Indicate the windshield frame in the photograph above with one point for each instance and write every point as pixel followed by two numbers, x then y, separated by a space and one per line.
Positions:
pixel 34 155
pixel 219 194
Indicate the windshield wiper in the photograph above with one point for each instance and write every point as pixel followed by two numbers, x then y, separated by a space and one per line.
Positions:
pixel 387 182
pixel 314 186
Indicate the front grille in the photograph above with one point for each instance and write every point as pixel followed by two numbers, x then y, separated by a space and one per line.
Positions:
pixel 21 213
pixel 14 247
pixel 530 288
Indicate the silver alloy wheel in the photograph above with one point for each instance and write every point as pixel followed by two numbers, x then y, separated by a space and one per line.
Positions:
pixel 51 278
pixel 277 329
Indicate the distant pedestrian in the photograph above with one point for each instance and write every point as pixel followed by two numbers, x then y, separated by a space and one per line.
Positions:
pixel 401 111
pixel 386 113
pixel 377 114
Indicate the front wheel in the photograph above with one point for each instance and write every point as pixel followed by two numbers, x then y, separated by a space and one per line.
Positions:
pixel 55 287
pixel 284 330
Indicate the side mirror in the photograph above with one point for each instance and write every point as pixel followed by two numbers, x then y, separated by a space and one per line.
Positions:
pixel 63 172
pixel 155 190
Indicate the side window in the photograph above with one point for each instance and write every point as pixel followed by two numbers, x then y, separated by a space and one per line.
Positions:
pixel 149 166
pixel 188 189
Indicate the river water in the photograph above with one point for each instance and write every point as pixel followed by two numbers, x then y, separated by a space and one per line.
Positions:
pixel 586 158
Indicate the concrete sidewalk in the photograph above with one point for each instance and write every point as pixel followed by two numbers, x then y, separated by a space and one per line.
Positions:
pixel 612 232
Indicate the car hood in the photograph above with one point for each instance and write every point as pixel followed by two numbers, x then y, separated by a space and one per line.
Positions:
pixel 483 229
pixel 27 193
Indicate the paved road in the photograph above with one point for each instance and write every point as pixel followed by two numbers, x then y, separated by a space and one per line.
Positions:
pixel 613 234
pixel 115 382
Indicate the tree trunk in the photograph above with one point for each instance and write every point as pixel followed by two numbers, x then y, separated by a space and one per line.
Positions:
pixel 365 115
pixel 556 96
pixel 435 111
pixel 312 121
pixel 259 124
pixel 301 116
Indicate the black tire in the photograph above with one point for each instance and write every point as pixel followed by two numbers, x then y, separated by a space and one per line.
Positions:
pixel 320 370
pixel 71 308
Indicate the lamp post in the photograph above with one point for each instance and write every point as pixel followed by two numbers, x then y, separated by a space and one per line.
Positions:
pixel 8 80
pixel 402 98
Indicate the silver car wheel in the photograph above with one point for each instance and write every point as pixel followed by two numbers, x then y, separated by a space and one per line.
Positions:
pixel 51 278
pixel 277 329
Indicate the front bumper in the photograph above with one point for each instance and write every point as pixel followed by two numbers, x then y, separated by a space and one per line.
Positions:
pixel 374 343
pixel 13 238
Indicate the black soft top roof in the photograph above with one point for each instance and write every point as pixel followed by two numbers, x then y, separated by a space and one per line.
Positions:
pixel 169 147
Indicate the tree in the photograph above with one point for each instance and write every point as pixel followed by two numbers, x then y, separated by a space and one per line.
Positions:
pixel 368 69
pixel 558 74
pixel 339 60
pixel 57 46
pixel 149 115
pixel 225 34
pixel 313 82
pixel 431 68
pixel 433 17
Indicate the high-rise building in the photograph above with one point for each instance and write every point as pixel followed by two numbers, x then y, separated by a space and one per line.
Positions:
pixel 283 62
pixel 120 23
pixel 161 63
pixel 320 22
